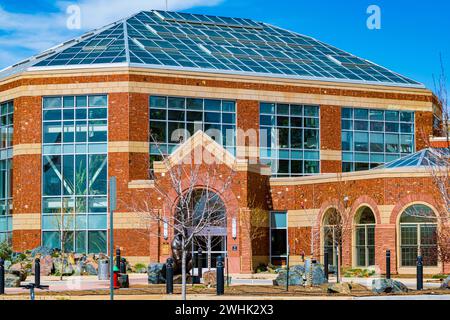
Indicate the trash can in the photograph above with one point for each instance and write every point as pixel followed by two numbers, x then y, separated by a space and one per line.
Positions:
pixel 103 270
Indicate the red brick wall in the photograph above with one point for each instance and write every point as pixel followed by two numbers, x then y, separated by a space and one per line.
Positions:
pixel 330 124
pixel 221 84
pixel 25 239
pixel 27 120
pixel 424 129
pixel 26 172
pixel 133 242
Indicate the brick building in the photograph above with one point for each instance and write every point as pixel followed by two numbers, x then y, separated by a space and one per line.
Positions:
pixel 310 126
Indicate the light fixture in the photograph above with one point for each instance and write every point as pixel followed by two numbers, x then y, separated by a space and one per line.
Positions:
pixel 234 228
pixel 165 229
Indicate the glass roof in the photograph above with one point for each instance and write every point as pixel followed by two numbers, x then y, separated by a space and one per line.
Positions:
pixel 184 41
pixel 430 157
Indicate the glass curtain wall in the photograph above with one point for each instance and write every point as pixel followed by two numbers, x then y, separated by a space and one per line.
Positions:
pixel 6 137
pixel 174 119
pixel 373 137
pixel 74 173
pixel 290 139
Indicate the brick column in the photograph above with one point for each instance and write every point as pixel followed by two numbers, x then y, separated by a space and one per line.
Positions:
pixel 26 186
pixel 347 258
pixel 423 129
pixel 128 159
pixel 330 139
pixel 246 254
pixel 385 239
pixel 247 113
pixel 139 135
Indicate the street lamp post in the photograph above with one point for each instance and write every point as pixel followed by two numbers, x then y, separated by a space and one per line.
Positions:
pixel 112 207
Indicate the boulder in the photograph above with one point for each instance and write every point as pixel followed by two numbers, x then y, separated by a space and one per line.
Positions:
pixel 156 273
pixel 388 286
pixel 318 275
pixel 12 280
pixel 63 266
pixel 7 264
pixel 342 288
pixel 446 283
pixel 42 251
pixel 295 278
pixel 46 266
pixel 19 270
pixel 91 268
pixel 298 268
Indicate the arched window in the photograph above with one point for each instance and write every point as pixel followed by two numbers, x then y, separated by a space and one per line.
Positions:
pixel 365 237
pixel 418 236
pixel 332 235
pixel 205 208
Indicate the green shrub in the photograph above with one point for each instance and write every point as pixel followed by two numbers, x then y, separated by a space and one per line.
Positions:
pixel 261 268
pixel 5 251
pixel 139 266
pixel 358 273
pixel 439 276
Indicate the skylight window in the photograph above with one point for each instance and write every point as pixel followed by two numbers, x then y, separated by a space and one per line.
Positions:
pixel 207 20
pixel 155 45
pixel 98 44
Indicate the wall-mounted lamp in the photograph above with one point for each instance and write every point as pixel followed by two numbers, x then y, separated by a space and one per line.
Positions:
pixel 234 228
pixel 346 199
pixel 165 229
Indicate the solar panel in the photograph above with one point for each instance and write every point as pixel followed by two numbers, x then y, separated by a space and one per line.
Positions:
pixel 208 43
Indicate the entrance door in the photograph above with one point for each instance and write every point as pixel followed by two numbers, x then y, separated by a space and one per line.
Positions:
pixel 212 244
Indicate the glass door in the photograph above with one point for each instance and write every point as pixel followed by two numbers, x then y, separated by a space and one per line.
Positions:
pixel 212 246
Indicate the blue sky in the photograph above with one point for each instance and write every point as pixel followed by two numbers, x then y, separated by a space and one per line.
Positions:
pixel 413 33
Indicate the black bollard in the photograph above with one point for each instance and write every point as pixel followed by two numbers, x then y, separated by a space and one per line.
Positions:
pixel 220 277
pixel 419 273
pixel 118 258
pixel 37 272
pixel 325 263
pixel 287 272
pixel 123 266
pixel 388 264
pixel 2 276
pixel 169 276
pixel 199 264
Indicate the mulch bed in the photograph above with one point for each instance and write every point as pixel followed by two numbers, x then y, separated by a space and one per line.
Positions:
pixel 241 290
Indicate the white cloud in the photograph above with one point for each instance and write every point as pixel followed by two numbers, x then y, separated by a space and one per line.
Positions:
pixel 95 13
pixel 24 34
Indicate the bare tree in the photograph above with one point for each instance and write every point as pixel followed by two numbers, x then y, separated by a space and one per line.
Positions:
pixel 438 163
pixel 337 223
pixel 254 224
pixel 64 222
pixel 186 199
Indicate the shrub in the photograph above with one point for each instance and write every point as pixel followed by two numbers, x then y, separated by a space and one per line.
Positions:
pixel 5 251
pixel 139 266
pixel 261 268
pixel 358 273
pixel 439 276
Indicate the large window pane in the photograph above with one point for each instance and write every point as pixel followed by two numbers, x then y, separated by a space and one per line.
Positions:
pixel 97 241
pixel 97 174
pixel 384 143
pixel 52 175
